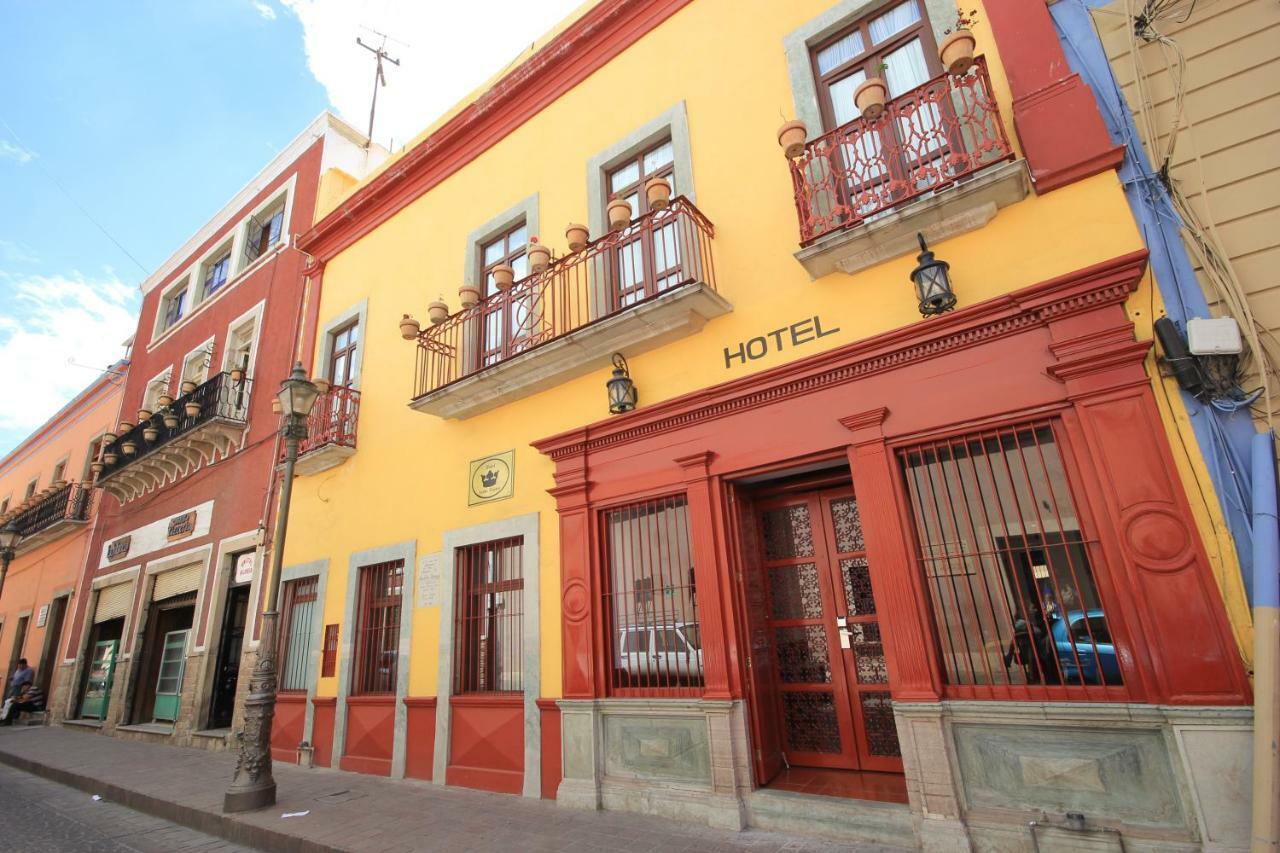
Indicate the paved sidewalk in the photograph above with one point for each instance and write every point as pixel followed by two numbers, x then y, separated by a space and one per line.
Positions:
pixel 353 812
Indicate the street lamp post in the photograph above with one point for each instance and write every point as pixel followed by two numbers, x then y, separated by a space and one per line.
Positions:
pixel 9 536
pixel 253 786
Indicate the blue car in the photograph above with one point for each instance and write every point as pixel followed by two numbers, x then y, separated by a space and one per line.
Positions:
pixel 1083 643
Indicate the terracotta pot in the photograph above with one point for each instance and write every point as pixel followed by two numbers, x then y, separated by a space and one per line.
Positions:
pixel 658 191
pixel 791 136
pixel 956 51
pixel 150 433
pixel 870 98
pixel 438 312
pixel 124 427
pixel 578 236
pixel 170 420
pixel 192 409
pixel 539 257
pixel 619 213
pixel 58 484
pixel 503 276
pixel 165 401
pixel 276 408
pixel 470 296
pixel 188 386
pixel 409 328
pixel 110 458
pixel 144 415
pixel 95 467
pixel 322 385
pixel 129 447
pixel 237 375
pixel 108 438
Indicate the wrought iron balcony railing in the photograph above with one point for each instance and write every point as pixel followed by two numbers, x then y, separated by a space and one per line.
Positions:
pixel 218 400
pixel 925 140
pixel 45 518
pixel 332 420
pixel 656 254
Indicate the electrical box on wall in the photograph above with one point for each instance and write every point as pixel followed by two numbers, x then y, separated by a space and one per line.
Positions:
pixel 1217 336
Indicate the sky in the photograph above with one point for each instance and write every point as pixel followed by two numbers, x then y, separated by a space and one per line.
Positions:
pixel 124 126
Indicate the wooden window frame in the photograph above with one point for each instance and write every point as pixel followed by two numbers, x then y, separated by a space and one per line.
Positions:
pixel 486 356
pixel 368 605
pixel 349 351
pixel 471 675
pixel 295 592
pixel 649 273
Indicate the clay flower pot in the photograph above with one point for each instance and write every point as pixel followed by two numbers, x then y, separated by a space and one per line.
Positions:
pixel 165 401
pixel 539 256
pixel 188 386
pixel 438 311
pixel 324 386
pixel 124 427
pixel 578 236
pixel 956 51
pixel 619 213
pixel 150 433
pixel 95 467
pixel 503 276
pixel 110 458
pixel 791 137
pixel 192 409
pixel 870 98
pixel 469 295
pixel 409 328
pixel 144 415
pixel 170 418
pixel 237 375
pixel 658 192
pixel 108 438
pixel 129 447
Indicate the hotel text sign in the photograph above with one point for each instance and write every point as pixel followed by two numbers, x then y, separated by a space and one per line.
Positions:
pixel 803 332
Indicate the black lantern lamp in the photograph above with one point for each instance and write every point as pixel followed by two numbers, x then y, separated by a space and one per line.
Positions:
pixel 622 391
pixel 933 284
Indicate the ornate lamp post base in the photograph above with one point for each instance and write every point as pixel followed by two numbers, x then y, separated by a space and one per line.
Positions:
pixel 254 787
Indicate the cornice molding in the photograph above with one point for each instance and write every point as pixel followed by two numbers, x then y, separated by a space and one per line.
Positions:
pixel 570 57
pixel 1107 283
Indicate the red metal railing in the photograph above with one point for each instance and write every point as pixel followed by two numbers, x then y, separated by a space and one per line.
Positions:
pixel 333 419
pixel 925 140
pixel 655 254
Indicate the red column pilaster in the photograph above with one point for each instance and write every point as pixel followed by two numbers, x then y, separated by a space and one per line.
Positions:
pixel 706 574
pixel 579 595
pixel 1054 111
pixel 900 602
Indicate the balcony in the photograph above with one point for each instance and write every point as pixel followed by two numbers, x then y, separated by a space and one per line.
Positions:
pixel 331 431
pixel 204 426
pixel 937 161
pixel 631 290
pixel 50 515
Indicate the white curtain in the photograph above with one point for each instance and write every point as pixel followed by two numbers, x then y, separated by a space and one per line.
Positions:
pixel 907 68
pixel 893 21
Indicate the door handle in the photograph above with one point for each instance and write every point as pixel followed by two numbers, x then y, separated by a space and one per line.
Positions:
pixel 842 625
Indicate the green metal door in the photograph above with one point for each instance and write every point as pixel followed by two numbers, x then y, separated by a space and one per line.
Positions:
pixel 97 688
pixel 169 682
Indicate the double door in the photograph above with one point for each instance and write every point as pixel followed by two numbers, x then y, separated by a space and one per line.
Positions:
pixel 824 683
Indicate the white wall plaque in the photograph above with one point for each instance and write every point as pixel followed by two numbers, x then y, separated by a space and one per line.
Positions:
pixel 43 616
pixel 244 567
pixel 429 580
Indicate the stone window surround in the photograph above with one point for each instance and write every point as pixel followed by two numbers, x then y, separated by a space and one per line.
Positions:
pixel 525 526
pixel 318 569
pixel 198 555
pixel 525 210
pixel 358 312
pixel 254 316
pixel 673 122
pixel 406 551
pixel 798 43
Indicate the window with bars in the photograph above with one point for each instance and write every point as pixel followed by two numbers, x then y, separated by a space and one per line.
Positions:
pixel 488 627
pixel 1006 560
pixel 655 639
pixel 377 639
pixel 295 631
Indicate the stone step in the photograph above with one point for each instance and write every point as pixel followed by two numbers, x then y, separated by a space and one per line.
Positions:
pixel 847 820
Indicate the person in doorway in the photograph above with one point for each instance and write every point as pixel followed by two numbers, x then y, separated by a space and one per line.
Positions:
pixel 29 699
pixel 24 674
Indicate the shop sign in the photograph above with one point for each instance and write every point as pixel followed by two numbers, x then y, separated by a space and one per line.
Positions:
pixel 802 332
pixel 43 616
pixel 244 567
pixel 118 548
pixel 492 478
pixel 182 526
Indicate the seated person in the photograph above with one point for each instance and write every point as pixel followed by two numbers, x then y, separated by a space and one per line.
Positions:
pixel 29 698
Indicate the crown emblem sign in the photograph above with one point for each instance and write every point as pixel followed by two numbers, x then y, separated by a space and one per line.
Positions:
pixel 489 478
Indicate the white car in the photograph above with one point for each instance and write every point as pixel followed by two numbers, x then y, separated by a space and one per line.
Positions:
pixel 674 649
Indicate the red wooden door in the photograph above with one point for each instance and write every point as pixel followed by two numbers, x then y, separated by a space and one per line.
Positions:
pixel 828 669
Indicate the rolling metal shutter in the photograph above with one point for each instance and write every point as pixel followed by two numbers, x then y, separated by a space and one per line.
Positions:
pixel 176 582
pixel 113 602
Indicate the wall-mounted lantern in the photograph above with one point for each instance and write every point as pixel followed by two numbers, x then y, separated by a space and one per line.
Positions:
pixel 933 284
pixel 622 391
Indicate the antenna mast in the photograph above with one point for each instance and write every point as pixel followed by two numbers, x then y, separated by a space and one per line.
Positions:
pixel 379 79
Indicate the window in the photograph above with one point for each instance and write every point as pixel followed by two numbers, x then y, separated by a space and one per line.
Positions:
pixel 240 342
pixel 899 38
pixel 377 651
pixel 95 448
pixel 60 471
pixel 651 599
pixel 216 273
pixel 173 306
pixel 31 488
pixel 649 262
pixel 155 389
pixel 4 506
pixel 299 610
pixel 195 367
pixel 1007 563
pixel 489 618
pixel 263 231
pixel 499 330
pixel 342 354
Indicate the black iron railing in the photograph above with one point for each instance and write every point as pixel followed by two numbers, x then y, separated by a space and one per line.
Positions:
pixel 71 502
pixel 219 398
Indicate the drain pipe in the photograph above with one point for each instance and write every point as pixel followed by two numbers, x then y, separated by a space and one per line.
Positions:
pixel 1266 648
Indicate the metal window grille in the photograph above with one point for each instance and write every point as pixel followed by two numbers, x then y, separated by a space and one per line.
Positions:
pixel 488 626
pixel 1005 558
pixel 299 610
pixel 655 637
pixel 377 646
pixel 329 654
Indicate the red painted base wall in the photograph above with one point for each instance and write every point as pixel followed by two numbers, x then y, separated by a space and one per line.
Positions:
pixel 371 724
pixel 552 770
pixel 486 747
pixel 287 726
pixel 322 719
pixel 420 736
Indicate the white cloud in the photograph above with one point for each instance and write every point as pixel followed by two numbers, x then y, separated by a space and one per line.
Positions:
pixel 16 253
pixel 265 10
pixel 445 51
pixel 47 322
pixel 15 152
